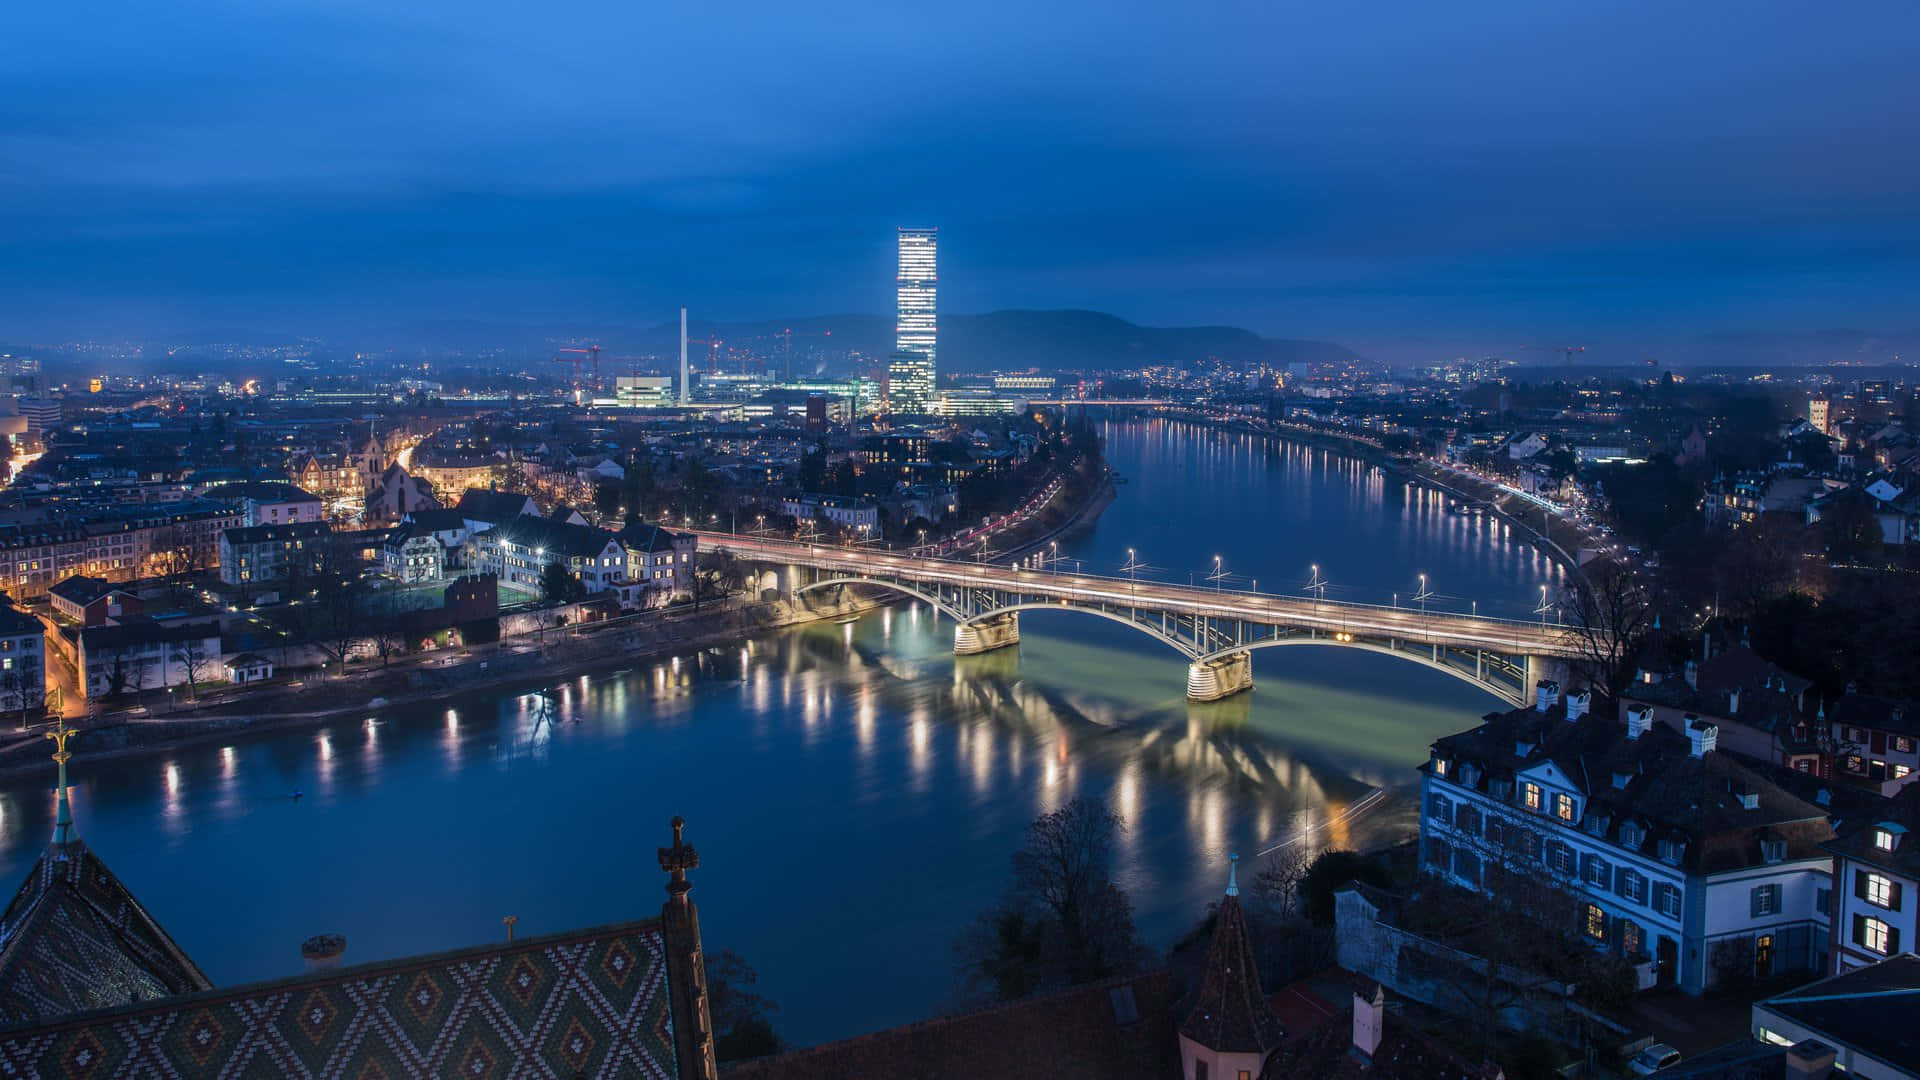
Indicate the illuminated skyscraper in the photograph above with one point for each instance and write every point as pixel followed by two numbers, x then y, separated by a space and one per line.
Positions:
pixel 910 375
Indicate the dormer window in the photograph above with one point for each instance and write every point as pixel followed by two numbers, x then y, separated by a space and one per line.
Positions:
pixel 1563 807
pixel 1672 851
pixel 1532 797
pixel 1773 849
pixel 1597 824
pixel 1439 766
pixel 1885 839
pixel 1631 835
pixel 1469 775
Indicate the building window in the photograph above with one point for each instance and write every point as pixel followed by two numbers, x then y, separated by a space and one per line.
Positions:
pixel 1596 923
pixel 1874 935
pixel 1467 820
pixel 1466 866
pixel 1531 793
pixel 1563 807
pixel 1883 839
pixel 1823 901
pixel 1439 809
pixel 1764 900
pixel 1633 886
pixel 1597 871
pixel 1903 744
pixel 1667 899
pixel 1631 942
pixel 1878 890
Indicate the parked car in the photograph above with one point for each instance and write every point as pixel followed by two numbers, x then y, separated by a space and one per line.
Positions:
pixel 1653 1059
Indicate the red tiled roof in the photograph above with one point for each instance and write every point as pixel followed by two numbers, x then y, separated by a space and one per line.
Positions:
pixel 1116 1030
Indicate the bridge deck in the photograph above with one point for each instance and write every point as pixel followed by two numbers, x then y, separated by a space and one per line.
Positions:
pixel 1447 629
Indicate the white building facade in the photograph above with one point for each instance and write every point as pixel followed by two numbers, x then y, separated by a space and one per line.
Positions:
pixel 1682 860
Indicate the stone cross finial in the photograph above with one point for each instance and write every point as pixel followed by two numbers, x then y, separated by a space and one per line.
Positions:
pixel 679 859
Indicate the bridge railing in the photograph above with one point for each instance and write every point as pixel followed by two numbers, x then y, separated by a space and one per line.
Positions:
pixel 869 560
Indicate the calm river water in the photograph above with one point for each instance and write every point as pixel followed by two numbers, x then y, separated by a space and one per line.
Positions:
pixel 854 789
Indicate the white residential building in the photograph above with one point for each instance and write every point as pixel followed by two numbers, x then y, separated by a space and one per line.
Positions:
pixel 1686 861
pixel 1876 877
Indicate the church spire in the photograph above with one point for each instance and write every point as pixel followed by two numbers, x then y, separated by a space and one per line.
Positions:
pixel 63 832
pixel 1231 1023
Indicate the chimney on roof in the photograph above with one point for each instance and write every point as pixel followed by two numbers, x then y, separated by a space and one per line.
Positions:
pixel 1545 694
pixel 1578 702
pixel 1639 720
pixel 1733 702
pixel 1809 1059
pixel 1702 737
pixel 1369 1017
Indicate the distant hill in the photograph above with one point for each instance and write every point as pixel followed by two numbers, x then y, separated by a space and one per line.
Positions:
pixel 1047 340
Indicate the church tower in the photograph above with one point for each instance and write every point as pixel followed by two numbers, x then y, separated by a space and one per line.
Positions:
pixel 686 965
pixel 74 938
pixel 1231 1029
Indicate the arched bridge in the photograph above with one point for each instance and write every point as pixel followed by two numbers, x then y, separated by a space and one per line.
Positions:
pixel 1216 630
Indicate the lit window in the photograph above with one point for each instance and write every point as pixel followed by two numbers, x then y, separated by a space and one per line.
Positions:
pixel 1873 934
pixel 1563 807
pixel 1883 839
pixel 1879 890
pixel 1596 923
pixel 1532 796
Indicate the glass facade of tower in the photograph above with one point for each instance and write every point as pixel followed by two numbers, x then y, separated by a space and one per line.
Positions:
pixel 910 376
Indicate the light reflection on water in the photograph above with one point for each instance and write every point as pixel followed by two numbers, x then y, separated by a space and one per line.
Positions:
pixel 854 789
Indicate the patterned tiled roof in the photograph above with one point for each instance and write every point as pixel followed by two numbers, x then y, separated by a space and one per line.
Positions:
pixel 75 939
pixel 589 1003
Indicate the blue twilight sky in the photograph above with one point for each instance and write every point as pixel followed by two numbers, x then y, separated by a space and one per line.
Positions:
pixel 1373 173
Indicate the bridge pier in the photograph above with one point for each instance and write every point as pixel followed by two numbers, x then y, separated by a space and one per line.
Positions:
pixel 986 635
pixel 1211 680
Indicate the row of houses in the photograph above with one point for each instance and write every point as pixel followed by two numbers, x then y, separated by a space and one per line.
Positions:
pixel 494 532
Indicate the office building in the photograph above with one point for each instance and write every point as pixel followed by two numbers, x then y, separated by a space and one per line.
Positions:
pixel 912 372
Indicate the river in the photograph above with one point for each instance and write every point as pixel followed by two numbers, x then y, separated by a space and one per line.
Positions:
pixel 854 790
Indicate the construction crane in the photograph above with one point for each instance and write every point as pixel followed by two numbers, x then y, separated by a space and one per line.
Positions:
pixel 579 356
pixel 713 351
pixel 1566 350
pixel 789 335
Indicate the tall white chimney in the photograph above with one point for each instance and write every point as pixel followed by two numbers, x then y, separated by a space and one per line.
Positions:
pixel 686 391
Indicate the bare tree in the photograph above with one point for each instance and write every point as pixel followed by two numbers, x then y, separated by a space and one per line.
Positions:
pixel 384 630
pixel 717 574
pixel 1276 885
pixel 1063 920
pixel 1521 940
pixel 197 661
pixel 338 613
pixel 1608 616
